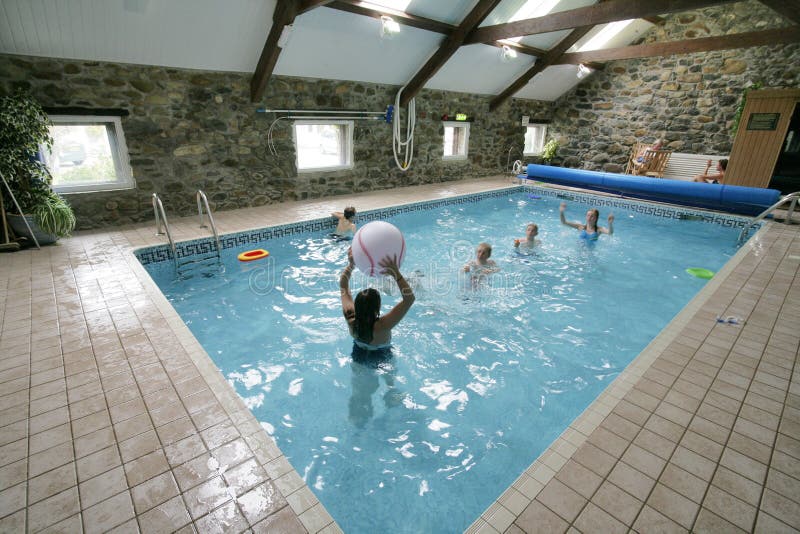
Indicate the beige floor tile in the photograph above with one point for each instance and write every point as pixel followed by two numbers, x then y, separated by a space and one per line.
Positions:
pixel 538 518
pixel 710 523
pixel 729 507
pixel 673 505
pixel 781 508
pixel 284 521
pixel 650 520
pixel 739 463
pixel 53 509
pixel 766 524
pixel 227 518
pixel 613 500
pixel 108 514
pixel 52 482
pixel 154 491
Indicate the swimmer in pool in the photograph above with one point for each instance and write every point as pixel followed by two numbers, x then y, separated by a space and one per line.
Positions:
pixel 482 265
pixel 346 227
pixel 370 330
pixel 529 241
pixel 589 231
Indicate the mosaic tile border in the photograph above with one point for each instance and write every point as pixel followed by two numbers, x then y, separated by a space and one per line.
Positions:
pixel 205 246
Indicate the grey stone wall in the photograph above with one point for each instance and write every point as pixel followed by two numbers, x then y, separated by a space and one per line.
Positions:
pixel 690 100
pixel 189 130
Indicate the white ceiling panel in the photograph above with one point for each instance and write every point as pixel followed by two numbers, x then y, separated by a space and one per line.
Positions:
pixel 195 34
pixel 478 69
pixel 449 11
pixel 551 83
pixel 326 43
pixel 229 35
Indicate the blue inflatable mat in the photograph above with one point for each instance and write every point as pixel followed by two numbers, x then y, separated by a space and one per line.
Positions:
pixel 729 198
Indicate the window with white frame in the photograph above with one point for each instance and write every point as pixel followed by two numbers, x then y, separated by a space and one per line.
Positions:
pixel 323 145
pixel 534 139
pixel 456 140
pixel 88 154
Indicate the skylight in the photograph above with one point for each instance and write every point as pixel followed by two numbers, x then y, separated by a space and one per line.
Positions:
pixel 601 38
pixel 530 10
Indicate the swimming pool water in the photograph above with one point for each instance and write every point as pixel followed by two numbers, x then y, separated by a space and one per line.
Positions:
pixel 484 377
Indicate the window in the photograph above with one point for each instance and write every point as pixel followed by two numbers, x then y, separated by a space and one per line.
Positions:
pixel 534 139
pixel 456 140
pixel 323 145
pixel 89 154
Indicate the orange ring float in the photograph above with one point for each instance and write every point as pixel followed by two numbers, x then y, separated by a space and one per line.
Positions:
pixel 251 255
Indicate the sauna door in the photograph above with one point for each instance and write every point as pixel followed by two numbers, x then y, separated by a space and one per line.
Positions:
pixel 759 139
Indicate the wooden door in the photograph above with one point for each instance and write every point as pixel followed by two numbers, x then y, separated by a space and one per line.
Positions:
pixel 762 129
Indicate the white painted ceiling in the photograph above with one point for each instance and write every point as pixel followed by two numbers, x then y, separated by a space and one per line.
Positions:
pixel 228 35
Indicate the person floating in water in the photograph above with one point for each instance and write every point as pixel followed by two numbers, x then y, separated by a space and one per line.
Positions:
pixel 346 227
pixel 370 330
pixel 529 241
pixel 589 231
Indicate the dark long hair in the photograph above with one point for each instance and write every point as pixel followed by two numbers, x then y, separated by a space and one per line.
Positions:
pixel 368 306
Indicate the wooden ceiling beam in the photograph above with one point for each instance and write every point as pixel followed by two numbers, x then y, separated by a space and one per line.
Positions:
pixel 400 17
pixel 285 12
pixel 451 43
pixel 519 47
pixel 689 46
pixel 542 63
pixel 600 13
pixel 308 5
pixel 788 8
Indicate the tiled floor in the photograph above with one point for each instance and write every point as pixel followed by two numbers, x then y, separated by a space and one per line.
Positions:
pixel 112 417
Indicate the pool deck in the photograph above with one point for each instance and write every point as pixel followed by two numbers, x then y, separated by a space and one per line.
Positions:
pixel 113 418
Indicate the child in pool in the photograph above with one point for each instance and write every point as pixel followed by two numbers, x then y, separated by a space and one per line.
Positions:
pixel 346 227
pixel 482 265
pixel 529 241
pixel 589 231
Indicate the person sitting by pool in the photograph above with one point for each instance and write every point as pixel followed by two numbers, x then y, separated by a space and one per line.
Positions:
pixel 482 265
pixel 589 231
pixel 346 227
pixel 529 241
pixel 715 178
pixel 641 160
pixel 370 330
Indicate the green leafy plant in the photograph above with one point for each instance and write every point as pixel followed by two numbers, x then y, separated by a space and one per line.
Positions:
pixel 24 130
pixel 54 216
pixel 740 108
pixel 550 149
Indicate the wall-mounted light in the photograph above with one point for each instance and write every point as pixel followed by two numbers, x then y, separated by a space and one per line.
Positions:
pixel 283 40
pixel 507 54
pixel 583 70
pixel 389 27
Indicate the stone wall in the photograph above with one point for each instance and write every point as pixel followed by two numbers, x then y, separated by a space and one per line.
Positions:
pixel 690 100
pixel 189 130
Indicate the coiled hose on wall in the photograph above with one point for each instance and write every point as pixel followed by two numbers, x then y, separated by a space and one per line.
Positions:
pixel 400 147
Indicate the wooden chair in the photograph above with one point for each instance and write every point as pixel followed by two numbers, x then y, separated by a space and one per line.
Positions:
pixel 638 148
pixel 653 163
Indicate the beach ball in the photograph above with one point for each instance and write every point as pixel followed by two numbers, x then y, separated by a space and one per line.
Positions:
pixel 373 242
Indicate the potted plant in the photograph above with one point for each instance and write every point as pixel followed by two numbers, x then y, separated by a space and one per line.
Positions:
pixel 24 130
pixel 549 150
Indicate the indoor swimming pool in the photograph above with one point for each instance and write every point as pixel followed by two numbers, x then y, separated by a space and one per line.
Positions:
pixel 484 375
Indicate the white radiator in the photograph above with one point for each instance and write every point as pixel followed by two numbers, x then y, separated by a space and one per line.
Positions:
pixel 686 166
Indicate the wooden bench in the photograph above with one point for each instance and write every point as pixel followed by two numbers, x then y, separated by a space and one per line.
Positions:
pixel 685 167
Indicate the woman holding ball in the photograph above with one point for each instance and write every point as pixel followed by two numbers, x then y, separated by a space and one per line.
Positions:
pixel 370 330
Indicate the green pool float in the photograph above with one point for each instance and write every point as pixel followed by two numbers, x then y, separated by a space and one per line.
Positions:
pixel 699 272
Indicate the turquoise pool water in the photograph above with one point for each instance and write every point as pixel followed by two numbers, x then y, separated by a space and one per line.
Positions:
pixel 483 377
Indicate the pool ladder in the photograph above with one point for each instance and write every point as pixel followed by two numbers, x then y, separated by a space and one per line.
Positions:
pixel 183 267
pixel 791 198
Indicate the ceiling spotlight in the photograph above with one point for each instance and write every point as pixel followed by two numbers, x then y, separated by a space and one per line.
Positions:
pixel 583 70
pixel 389 27
pixel 507 53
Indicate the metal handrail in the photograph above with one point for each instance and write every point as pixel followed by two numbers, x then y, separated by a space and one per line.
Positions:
pixel 158 207
pixel 790 197
pixel 202 197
